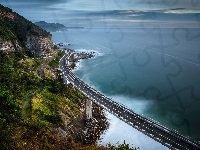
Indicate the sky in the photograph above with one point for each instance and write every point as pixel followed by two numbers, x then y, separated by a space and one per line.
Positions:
pixel 97 13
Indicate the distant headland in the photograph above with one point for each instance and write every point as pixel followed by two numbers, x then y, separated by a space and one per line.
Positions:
pixel 54 27
pixel 51 27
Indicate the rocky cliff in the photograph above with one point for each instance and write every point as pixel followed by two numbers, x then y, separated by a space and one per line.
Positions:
pixel 9 46
pixel 38 44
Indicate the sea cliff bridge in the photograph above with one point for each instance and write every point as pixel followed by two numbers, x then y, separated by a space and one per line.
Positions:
pixel 149 127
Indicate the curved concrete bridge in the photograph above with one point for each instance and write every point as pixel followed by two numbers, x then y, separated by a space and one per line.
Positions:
pixel 151 128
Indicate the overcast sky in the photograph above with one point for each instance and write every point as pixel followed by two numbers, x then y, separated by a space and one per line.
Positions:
pixel 116 12
pixel 109 4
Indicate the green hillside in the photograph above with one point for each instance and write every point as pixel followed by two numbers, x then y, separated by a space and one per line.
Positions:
pixel 12 25
pixel 34 103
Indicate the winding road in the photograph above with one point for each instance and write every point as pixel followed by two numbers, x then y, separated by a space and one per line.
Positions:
pixel 151 128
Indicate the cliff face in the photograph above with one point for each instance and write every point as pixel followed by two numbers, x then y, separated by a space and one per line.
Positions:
pixel 9 46
pixel 4 45
pixel 38 44
pixel 20 33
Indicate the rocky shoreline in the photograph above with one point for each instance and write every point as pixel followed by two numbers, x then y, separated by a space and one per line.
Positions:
pixel 83 130
pixel 75 57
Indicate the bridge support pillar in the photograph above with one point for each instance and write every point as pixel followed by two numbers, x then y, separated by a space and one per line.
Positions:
pixel 88 109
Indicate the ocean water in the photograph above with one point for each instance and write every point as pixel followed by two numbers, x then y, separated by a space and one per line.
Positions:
pixel 154 72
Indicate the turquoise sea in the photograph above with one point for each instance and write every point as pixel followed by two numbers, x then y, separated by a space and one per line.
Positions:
pixel 156 72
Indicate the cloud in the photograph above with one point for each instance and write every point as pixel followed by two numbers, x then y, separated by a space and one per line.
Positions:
pixel 126 12
pixel 37 1
pixel 106 4
pixel 186 4
pixel 32 3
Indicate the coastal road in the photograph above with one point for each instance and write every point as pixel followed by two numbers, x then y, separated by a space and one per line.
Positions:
pixel 151 128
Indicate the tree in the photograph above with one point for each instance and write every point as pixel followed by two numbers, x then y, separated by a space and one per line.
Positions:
pixel 10 110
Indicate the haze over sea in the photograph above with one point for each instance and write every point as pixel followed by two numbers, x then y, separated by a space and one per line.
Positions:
pixel 134 70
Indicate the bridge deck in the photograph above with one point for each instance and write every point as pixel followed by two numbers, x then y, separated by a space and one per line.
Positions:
pixel 151 128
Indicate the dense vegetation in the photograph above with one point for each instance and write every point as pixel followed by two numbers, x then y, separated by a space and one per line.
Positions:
pixel 6 34
pixel 12 25
pixel 27 100
pixel 30 106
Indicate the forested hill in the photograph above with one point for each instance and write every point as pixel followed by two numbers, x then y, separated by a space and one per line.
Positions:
pixel 22 32
pixel 18 25
pixel 38 111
